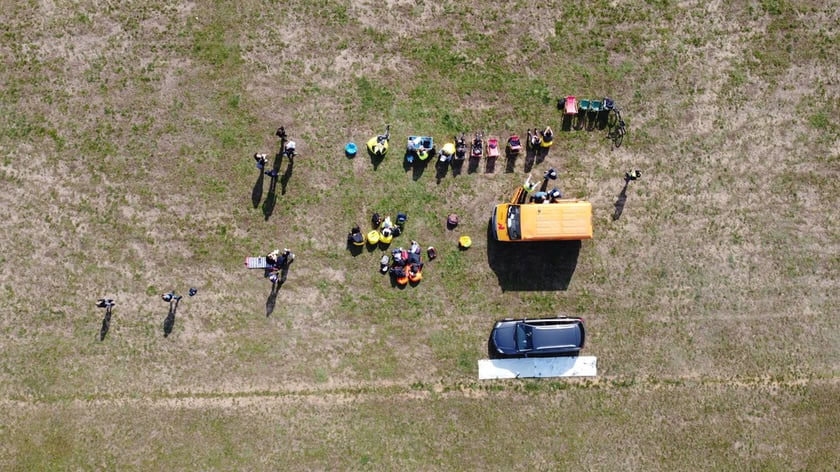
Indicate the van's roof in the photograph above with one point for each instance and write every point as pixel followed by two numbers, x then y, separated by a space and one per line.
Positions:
pixel 566 219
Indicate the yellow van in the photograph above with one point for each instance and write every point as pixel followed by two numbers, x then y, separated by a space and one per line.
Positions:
pixel 564 220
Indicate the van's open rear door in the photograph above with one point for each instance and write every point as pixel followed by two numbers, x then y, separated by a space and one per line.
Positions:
pixel 519 196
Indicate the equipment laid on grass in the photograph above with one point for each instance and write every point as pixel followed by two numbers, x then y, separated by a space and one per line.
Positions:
pixel 350 149
pixel 419 147
pixel 514 145
pixel 570 105
pixel 595 109
pixel 256 262
pixel 492 147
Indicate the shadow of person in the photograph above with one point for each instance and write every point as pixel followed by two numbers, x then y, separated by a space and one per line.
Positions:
pixel 510 161
pixel 540 154
pixel 169 322
pixel 457 167
pixel 602 119
pixel 591 118
pixel 271 196
pixel 270 199
pixel 284 273
pixel 284 181
pixel 489 165
pixel 271 301
pixel 354 249
pixel 530 158
pixel 619 203
pixel 580 122
pixel 375 159
pixel 257 191
pixel 441 169
pixel 472 165
pixel 567 122
pixel 106 324
pixel 418 167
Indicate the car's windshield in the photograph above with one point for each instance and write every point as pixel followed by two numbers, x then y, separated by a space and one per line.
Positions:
pixel 513 228
pixel 523 337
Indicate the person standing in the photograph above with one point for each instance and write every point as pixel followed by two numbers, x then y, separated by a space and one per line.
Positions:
pixel 261 160
pixel 528 185
pixel 632 175
pixel 108 305
pixel 289 151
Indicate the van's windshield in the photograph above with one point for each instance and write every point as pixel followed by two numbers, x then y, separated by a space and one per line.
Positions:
pixel 513 226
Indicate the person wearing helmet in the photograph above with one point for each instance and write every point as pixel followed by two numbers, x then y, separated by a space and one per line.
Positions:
pixel 355 236
pixel 447 152
pixel 546 136
pixel 415 272
pixel 289 151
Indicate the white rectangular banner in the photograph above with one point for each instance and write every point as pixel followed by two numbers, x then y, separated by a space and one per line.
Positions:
pixel 581 366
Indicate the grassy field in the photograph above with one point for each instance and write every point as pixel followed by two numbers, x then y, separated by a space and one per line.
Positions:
pixel 709 290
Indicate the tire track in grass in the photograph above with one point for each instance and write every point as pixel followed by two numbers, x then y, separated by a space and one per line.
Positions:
pixel 331 395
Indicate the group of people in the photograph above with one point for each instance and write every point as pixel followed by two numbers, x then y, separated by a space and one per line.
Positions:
pixel 289 150
pixel 276 263
pixel 384 230
pixel 542 138
pixel 407 266
pixel 543 195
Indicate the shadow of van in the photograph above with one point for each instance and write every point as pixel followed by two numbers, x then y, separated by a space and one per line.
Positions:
pixel 532 266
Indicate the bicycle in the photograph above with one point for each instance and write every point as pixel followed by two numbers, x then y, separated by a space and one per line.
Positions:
pixel 617 128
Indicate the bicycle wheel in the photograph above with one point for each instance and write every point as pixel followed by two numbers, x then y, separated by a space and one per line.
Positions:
pixel 618 138
pixel 612 120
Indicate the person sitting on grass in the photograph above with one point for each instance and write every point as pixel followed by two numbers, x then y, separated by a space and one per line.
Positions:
pixel 415 272
pixel 355 236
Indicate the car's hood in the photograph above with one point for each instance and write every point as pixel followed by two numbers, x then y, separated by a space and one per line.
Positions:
pixel 503 337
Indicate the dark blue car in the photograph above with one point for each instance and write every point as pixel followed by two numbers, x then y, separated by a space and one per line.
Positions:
pixel 541 337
